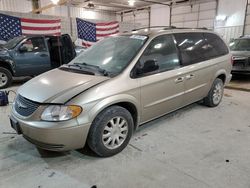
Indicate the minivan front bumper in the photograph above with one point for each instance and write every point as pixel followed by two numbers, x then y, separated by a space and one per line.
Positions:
pixel 54 138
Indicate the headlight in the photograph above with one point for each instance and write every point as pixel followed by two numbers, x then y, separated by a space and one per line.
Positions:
pixel 60 112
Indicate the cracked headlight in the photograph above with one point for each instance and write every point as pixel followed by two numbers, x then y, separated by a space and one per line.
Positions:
pixel 61 112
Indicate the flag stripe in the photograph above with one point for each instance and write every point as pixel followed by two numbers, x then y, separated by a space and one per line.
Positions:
pixel 107 34
pixel 106 29
pixel 34 32
pixel 40 28
pixel 40 25
pixel 39 21
pixel 106 24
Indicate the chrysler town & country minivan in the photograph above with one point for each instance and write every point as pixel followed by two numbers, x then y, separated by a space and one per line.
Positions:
pixel 103 95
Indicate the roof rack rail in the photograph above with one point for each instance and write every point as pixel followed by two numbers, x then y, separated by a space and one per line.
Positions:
pixel 170 27
pixel 164 27
pixel 203 28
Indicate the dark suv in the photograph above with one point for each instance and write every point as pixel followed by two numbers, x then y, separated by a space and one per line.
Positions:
pixel 240 49
pixel 33 55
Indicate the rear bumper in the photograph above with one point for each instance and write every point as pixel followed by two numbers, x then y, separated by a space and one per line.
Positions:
pixel 237 69
pixel 54 139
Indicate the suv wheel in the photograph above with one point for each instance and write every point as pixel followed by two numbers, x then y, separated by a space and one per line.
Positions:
pixel 215 94
pixel 5 78
pixel 111 131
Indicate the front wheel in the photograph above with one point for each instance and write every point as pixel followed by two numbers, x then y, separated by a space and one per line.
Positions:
pixel 215 94
pixel 111 131
pixel 5 78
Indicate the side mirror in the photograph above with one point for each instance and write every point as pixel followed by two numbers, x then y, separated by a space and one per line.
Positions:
pixel 149 66
pixel 23 49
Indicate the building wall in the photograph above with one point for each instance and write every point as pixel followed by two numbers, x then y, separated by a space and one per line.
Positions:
pixel 160 15
pixel 232 26
pixel 15 5
pixel 201 14
pixel 140 18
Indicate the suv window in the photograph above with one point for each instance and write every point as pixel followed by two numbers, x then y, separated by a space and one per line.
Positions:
pixel 163 52
pixel 216 46
pixel 192 47
pixel 36 44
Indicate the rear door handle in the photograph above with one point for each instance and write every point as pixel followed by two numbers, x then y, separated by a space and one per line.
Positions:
pixel 178 80
pixel 190 76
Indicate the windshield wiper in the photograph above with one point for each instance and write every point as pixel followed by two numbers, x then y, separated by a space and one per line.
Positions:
pixel 76 70
pixel 99 69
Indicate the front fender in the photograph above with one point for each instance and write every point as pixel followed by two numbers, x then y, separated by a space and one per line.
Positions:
pixel 7 62
pixel 112 100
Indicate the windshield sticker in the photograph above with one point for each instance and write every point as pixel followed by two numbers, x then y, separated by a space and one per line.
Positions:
pixel 140 37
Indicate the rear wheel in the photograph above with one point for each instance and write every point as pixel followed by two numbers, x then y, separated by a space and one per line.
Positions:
pixel 5 78
pixel 215 94
pixel 111 131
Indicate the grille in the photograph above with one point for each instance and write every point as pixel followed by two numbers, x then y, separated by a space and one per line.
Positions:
pixel 239 62
pixel 25 107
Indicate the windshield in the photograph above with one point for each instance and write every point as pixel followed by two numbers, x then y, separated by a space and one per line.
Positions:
pixel 112 54
pixel 13 42
pixel 240 45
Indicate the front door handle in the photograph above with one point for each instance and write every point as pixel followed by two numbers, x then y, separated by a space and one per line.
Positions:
pixel 190 76
pixel 43 55
pixel 178 80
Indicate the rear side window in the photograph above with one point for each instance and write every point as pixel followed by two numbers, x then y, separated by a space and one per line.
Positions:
pixel 192 47
pixel 197 47
pixel 216 46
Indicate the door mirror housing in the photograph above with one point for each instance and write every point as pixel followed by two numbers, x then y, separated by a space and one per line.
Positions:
pixel 149 66
pixel 23 49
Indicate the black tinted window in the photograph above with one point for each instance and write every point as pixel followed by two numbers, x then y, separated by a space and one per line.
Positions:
pixel 192 47
pixel 240 45
pixel 35 44
pixel 197 47
pixel 163 51
pixel 216 46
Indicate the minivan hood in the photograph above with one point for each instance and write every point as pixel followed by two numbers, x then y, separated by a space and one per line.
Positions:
pixel 58 86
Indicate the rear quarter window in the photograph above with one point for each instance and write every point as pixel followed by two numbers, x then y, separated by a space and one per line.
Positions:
pixel 216 46
pixel 198 47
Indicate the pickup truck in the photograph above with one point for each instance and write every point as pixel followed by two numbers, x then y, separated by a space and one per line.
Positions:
pixel 33 55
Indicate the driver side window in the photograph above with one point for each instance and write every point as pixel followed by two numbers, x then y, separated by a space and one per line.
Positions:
pixel 162 51
pixel 34 44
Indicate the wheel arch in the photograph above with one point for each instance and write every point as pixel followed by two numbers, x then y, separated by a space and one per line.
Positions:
pixel 222 74
pixel 128 102
pixel 7 66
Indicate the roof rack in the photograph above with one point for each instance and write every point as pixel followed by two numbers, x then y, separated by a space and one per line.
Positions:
pixel 203 28
pixel 170 27
pixel 164 27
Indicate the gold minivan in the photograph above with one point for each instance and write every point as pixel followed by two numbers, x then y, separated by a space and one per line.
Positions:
pixel 103 95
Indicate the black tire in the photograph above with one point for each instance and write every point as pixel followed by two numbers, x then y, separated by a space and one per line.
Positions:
pixel 95 136
pixel 7 83
pixel 209 99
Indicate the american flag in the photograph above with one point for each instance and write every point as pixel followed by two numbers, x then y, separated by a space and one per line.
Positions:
pixel 89 33
pixel 11 27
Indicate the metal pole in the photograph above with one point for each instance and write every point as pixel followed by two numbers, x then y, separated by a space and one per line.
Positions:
pixel 69 17
pixel 245 19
